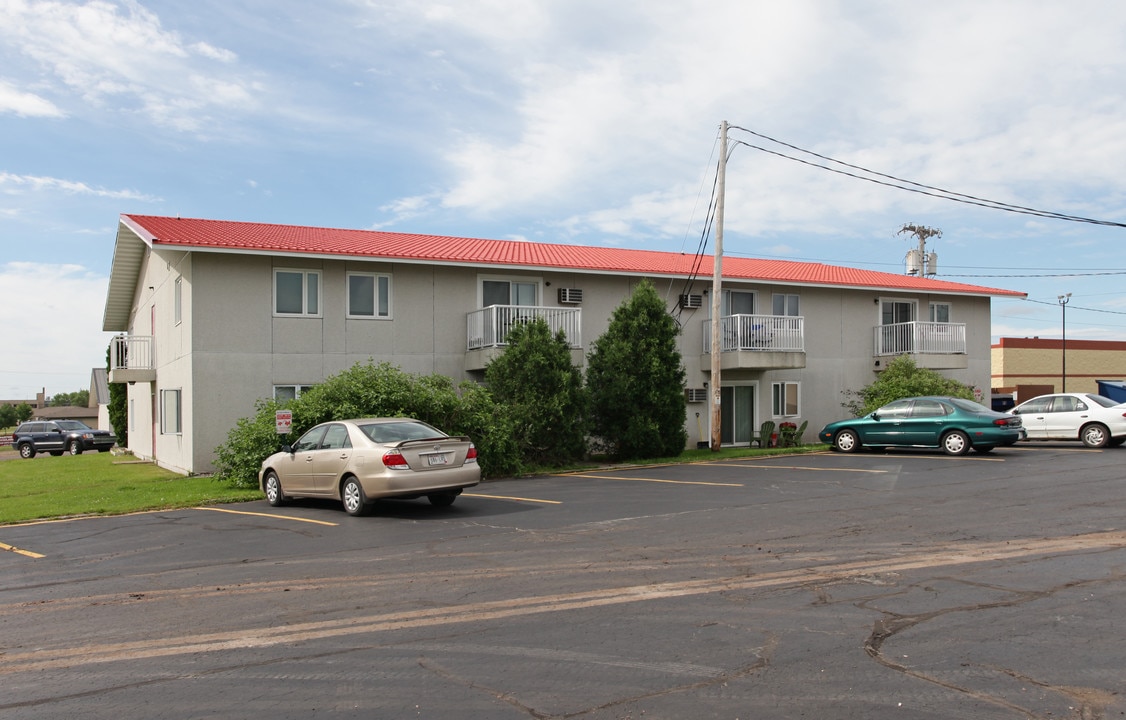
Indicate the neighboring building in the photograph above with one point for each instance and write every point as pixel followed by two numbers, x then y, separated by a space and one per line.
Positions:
pixel 99 397
pixel 216 315
pixel 1033 366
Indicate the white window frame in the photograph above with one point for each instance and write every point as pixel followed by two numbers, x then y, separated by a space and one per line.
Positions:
pixel 171 418
pixel 780 401
pixel 298 391
pixel 382 311
pixel 178 300
pixel 933 311
pixel 305 275
pixel 511 280
pixel 790 302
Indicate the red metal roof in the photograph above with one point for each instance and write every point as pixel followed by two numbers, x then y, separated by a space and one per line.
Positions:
pixel 264 238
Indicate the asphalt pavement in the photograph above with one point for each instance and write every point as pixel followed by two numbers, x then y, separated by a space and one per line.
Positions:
pixel 893 585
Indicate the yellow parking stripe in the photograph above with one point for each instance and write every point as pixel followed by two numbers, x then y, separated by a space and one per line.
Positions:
pixel 507 497
pixel 268 515
pixel 17 551
pixel 654 480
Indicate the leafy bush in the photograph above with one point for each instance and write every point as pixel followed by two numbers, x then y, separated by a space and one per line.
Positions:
pixel 369 390
pixel 636 381
pixel 902 378
pixel 543 393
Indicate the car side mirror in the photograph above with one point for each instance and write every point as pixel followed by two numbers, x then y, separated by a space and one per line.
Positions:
pixel 876 416
pixel 287 449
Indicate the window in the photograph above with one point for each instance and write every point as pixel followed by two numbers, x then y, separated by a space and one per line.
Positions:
pixel 736 302
pixel 785 304
pixel 784 402
pixel 940 312
pixel 928 408
pixel 297 292
pixel 369 295
pixel 170 415
pixel 506 292
pixel 177 300
pixel 284 393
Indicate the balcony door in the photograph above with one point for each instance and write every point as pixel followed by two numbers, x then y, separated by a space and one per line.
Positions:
pixel 896 336
pixel 737 414
pixel 506 297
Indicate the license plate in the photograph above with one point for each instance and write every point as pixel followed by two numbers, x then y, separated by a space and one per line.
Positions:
pixel 438 459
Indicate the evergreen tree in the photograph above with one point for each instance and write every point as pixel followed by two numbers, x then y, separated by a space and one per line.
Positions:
pixel 636 381
pixel 543 391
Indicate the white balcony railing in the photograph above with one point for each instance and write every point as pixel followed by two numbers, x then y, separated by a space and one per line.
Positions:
pixel 489 326
pixel 131 352
pixel 769 333
pixel 921 338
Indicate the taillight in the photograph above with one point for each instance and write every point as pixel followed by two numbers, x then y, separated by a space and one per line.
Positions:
pixel 472 454
pixel 394 459
pixel 1002 421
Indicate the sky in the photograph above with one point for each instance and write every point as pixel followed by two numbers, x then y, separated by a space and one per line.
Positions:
pixel 565 121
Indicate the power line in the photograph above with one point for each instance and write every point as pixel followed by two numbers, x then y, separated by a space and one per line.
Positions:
pixel 920 188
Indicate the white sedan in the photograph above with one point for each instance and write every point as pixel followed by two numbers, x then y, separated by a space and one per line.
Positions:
pixel 1095 420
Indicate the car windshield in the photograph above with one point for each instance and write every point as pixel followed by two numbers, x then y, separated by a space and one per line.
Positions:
pixel 72 425
pixel 393 432
pixel 969 406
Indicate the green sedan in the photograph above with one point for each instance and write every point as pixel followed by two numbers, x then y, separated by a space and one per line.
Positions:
pixel 951 424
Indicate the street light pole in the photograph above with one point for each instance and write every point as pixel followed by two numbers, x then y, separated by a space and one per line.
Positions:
pixel 1063 299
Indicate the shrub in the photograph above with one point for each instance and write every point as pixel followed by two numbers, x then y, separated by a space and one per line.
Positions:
pixel 543 394
pixel 902 378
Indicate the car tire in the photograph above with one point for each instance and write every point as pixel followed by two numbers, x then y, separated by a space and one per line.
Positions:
pixel 442 499
pixel 956 442
pixel 273 489
pixel 27 451
pixel 352 495
pixel 74 447
pixel 1094 435
pixel 846 441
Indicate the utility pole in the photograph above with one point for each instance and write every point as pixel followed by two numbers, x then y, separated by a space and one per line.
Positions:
pixel 717 293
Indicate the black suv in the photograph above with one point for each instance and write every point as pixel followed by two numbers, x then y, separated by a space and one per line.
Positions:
pixel 59 436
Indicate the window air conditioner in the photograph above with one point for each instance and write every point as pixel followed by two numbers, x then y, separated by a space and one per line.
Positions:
pixel 570 296
pixel 692 301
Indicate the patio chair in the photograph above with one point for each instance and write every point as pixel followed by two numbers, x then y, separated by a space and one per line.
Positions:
pixel 764 433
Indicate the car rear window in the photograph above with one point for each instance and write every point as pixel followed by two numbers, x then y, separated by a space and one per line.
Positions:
pixel 393 432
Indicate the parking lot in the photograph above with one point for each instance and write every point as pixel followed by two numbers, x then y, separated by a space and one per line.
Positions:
pixel 900 584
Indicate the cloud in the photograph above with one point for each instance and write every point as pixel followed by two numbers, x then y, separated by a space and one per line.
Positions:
pixel 11 184
pixel 118 52
pixel 26 104
pixel 66 336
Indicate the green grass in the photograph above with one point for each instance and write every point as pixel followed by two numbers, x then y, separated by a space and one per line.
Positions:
pixel 100 484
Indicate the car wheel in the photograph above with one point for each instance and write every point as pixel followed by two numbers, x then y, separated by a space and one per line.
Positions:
pixel 27 451
pixel 273 488
pixel 1094 435
pixel 956 442
pixel 352 493
pixel 847 441
pixel 442 499
pixel 74 448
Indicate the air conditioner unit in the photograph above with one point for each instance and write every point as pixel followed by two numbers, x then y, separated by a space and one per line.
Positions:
pixel 696 395
pixel 692 301
pixel 570 296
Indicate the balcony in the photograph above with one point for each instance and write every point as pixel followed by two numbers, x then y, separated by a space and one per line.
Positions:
pixel 933 345
pixel 759 342
pixel 131 359
pixel 487 328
